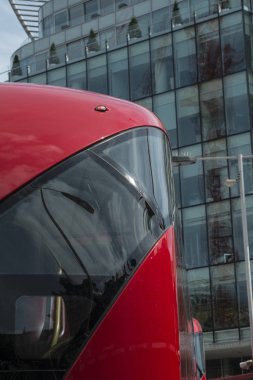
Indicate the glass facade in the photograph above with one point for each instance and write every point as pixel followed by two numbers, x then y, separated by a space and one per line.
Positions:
pixel 194 70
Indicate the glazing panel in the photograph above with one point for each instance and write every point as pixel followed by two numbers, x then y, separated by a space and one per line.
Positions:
pixel 162 64
pixel 76 15
pixel 188 116
pixel 118 74
pixel 164 107
pixel 185 57
pixel 199 287
pixel 216 171
pixel 106 7
pixel 199 8
pixel 77 75
pixel 121 4
pixel 212 110
pixel 161 20
pixel 57 77
pixel 220 233
pixel 97 74
pixel 91 10
pixel 192 186
pixel 140 75
pixel 241 144
pixel 242 294
pixel 237 226
pixel 108 39
pixel 209 53
pixel 236 103
pixel 61 21
pixel 47 26
pixel 147 103
pixel 232 43
pixel 224 296
pixel 75 50
pixel 195 237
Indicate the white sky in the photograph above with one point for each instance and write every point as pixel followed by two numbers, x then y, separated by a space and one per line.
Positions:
pixel 12 35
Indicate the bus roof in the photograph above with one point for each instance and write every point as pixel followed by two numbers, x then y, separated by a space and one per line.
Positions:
pixel 42 125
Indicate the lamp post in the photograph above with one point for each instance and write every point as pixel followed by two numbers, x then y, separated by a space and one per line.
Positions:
pixel 181 160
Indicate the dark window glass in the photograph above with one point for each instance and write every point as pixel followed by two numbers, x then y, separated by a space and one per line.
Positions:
pixel 61 21
pixel 200 295
pixel 47 26
pixel 118 73
pixel 69 242
pixel 91 10
pixel 76 15
pixel 224 297
pixel 97 74
pixel 140 76
pixel 232 42
pixel 220 233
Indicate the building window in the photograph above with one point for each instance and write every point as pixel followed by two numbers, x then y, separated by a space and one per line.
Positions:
pixel 161 20
pixel 61 21
pixel 77 76
pixel 199 287
pixel 76 15
pixel 232 43
pixel 240 144
pixel 57 77
pixel 216 171
pixel 118 74
pixel 106 7
pixel 192 186
pixel 47 26
pixel 75 50
pixel 237 226
pixel 162 64
pixel 140 76
pixel 188 116
pixel 236 103
pixel 121 4
pixel 220 233
pixel 164 105
pixel 97 74
pixel 212 110
pixel 185 57
pixel 224 297
pixel 40 61
pixel 209 52
pixel 195 237
pixel 91 10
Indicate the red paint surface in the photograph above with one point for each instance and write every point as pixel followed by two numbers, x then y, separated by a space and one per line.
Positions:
pixel 138 338
pixel 42 125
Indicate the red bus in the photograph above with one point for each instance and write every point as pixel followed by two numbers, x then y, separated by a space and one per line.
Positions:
pixel 92 282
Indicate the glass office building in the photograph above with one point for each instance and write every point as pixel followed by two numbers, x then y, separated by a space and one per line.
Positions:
pixel 189 61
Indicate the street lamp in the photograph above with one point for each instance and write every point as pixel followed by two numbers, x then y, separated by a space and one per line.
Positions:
pixel 231 182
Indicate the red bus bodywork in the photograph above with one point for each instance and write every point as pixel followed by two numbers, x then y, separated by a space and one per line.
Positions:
pixel 143 334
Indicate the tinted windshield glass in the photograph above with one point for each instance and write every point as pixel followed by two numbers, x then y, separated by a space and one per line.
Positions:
pixel 69 242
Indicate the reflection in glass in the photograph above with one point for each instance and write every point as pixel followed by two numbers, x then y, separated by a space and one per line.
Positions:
pixel 185 57
pixel 140 76
pixel 188 116
pixel 237 226
pixel 236 103
pixel 220 233
pixel 77 75
pixel 216 171
pixel 232 43
pixel 162 64
pixel 209 54
pixel 242 294
pixel 212 110
pixel 75 50
pixel 118 74
pixel 195 237
pixel 76 15
pixel 57 77
pixel 61 21
pixel 91 10
pixel 240 144
pixel 164 107
pixel 192 187
pixel 199 287
pixel 97 74
pixel 224 297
